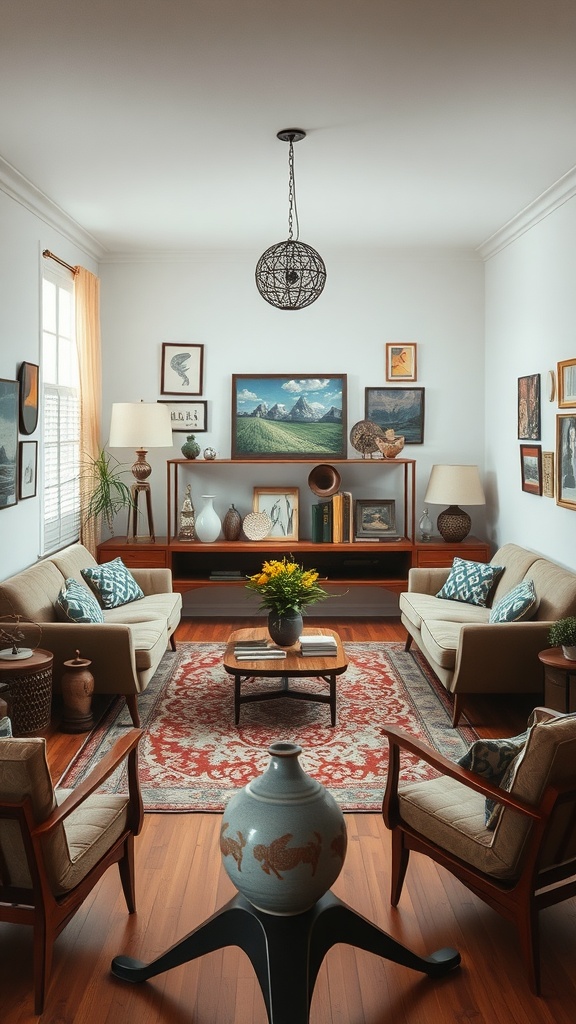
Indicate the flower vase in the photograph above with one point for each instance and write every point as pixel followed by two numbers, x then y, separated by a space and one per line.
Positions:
pixel 284 629
pixel 283 837
pixel 208 523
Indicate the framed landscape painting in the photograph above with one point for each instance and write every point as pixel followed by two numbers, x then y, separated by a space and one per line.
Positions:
pixel 9 391
pixel 283 416
pixel 397 409
pixel 531 466
pixel 375 519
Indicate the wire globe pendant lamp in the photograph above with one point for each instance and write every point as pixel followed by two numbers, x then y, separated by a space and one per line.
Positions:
pixel 291 274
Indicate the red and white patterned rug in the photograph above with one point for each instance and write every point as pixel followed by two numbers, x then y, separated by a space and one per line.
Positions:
pixel 193 757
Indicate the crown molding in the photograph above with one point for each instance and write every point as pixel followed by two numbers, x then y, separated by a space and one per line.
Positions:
pixel 24 192
pixel 559 193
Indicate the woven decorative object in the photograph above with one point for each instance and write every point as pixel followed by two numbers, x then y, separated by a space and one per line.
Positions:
pixel 390 445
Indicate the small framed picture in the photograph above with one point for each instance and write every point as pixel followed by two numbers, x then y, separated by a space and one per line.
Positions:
pixel 27 469
pixel 28 377
pixel 188 417
pixel 400 360
pixel 566 461
pixel 375 519
pixel 9 391
pixel 281 504
pixel 398 409
pixel 529 407
pixel 567 383
pixel 531 466
pixel 548 474
pixel 182 369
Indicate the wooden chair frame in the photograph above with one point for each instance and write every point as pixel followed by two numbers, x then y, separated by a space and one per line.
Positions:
pixel 518 899
pixel 39 907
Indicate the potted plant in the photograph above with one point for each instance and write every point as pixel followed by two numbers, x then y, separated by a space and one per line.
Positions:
pixel 109 494
pixel 563 634
pixel 285 588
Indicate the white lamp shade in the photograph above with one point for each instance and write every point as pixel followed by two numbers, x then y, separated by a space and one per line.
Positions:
pixel 454 485
pixel 140 425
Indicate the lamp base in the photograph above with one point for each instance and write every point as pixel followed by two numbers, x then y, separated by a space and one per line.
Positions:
pixel 134 511
pixel 453 524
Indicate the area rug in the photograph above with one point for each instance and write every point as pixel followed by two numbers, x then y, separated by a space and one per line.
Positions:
pixel 193 757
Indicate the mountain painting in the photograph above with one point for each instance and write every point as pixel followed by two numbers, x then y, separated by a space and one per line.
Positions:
pixel 278 416
pixel 397 409
pixel 8 441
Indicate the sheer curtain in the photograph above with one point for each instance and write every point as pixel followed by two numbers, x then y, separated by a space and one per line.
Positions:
pixel 87 302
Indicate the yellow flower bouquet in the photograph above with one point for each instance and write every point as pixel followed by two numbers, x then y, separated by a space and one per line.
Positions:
pixel 285 586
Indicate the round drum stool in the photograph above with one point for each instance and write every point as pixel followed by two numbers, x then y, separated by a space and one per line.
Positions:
pixel 30 683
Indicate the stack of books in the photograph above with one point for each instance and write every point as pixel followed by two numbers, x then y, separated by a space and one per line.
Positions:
pixel 318 646
pixel 258 650
pixel 226 574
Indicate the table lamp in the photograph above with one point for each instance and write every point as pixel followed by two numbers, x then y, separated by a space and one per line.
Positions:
pixel 140 425
pixel 454 486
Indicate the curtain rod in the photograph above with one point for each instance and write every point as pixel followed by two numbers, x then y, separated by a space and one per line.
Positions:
pixel 50 256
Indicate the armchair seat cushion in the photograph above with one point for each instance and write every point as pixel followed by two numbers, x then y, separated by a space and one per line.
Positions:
pixel 89 832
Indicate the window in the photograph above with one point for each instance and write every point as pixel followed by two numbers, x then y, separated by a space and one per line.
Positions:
pixel 61 413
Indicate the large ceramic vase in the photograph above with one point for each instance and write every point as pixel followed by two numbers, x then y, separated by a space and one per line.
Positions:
pixel 283 837
pixel 285 629
pixel 208 523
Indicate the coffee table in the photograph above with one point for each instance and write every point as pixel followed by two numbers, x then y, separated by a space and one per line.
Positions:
pixel 292 666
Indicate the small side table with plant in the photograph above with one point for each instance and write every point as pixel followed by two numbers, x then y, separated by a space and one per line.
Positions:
pixel 559 662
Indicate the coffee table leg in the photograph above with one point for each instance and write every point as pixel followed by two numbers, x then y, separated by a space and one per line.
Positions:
pixel 237 685
pixel 333 699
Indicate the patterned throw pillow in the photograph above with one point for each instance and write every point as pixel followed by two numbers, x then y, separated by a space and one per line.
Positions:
pixel 5 728
pixel 495 760
pixel 75 603
pixel 470 582
pixel 519 603
pixel 113 584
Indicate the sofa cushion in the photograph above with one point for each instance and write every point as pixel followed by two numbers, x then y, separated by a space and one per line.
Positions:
pixel 519 603
pixel 71 560
pixel 32 593
pixel 150 640
pixel 556 589
pixel 113 584
pixel 516 562
pixel 470 582
pixel 440 639
pixel 152 606
pixel 417 607
pixel 75 603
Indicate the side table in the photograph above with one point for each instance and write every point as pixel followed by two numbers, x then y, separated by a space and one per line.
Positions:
pixel 30 691
pixel 559 680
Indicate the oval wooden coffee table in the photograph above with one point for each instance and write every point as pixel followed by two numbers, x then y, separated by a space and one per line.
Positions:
pixel 292 666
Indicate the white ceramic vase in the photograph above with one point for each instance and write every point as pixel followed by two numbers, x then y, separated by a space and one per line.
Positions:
pixel 208 523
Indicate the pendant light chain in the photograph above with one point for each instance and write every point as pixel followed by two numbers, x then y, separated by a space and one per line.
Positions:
pixel 292 207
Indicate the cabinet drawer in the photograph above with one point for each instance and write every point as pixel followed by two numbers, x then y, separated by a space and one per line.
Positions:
pixel 441 556
pixel 136 558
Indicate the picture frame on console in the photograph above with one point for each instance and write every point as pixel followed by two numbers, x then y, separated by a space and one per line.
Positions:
pixel 531 467
pixel 182 369
pixel 282 505
pixel 397 409
pixel 375 519
pixel 400 361
pixel 9 391
pixel 289 416
pixel 529 407
pixel 27 469
pixel 566 460
pixel 188 417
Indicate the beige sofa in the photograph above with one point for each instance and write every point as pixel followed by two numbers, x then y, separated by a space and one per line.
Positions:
pixel 471 655
pixel 125 650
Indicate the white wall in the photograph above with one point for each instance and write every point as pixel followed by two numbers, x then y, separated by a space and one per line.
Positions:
pixel 24 235
pixel 530 325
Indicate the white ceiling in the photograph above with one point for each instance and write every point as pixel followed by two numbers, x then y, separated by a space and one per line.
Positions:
pixel 153 123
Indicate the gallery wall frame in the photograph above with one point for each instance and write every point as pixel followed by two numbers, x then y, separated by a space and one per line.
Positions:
pixel 27 469
pixel 282 505
pixel 375 518
pixel 566 460
pixel 529 407
pixel 567 384
pixel 9 406
pixel 188 417
pixel 531 468
pixel 182 369
pixel 401 361
pixel 548 474
pixel 398 409
pixel 28 377
pixel 282 416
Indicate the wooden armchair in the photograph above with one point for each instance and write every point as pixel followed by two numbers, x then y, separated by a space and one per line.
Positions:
pixel 529 860
pixel 54 846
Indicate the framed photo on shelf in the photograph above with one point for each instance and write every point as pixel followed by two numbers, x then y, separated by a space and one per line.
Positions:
pixel 281 504
pixel 531 467
pixel 400 361
pixel 27 469
pixel 188 417
pixel 566 460
pixel 9 390
pixel 397 409
pixel 375 519
pixel 567 383
pixel 548 474
pixel 529 407
pixel 28 377
pixel 283 416
pixel 182 369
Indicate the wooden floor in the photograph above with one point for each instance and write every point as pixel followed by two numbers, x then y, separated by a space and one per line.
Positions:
pixel 180 882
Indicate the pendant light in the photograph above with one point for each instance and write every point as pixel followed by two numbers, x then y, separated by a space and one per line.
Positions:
pixel 291 274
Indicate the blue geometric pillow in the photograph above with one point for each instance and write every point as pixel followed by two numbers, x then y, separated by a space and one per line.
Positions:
pixel 5 728
pixel 491 759
pixel 519 603
pixel 75 603
pixel 470 582
pixel 113 584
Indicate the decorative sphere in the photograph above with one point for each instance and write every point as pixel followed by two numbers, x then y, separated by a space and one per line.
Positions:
pixel 209 454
